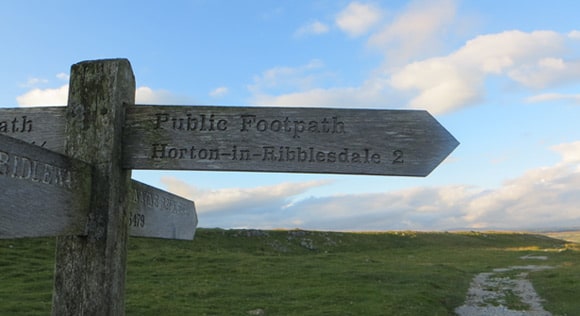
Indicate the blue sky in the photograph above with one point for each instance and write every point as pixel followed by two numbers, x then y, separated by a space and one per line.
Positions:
pixel 502 77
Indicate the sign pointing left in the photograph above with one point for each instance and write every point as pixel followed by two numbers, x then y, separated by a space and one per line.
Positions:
pixel 155 213
pixel 42 126
pixel 43 193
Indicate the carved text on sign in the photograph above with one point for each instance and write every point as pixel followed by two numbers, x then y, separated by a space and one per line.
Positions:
pixel 250 122
pixel 20 124
pixel 165 202
pixel 25 168
pixel 160 214
pixel 272 154
pixel 41 126
pixel 284 139
pixel 43 193
pixel 244 123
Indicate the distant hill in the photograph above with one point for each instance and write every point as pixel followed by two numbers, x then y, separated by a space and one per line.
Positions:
pixel 569 235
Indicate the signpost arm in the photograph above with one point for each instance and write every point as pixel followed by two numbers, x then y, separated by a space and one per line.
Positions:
pixel 90 270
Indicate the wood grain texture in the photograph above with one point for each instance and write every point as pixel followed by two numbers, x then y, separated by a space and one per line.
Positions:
pixel 159 214
pixel 42 126
pixel 285 139
pixel 90 271
pixel 43 193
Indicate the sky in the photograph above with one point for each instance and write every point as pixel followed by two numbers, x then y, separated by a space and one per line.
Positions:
pixel 502 77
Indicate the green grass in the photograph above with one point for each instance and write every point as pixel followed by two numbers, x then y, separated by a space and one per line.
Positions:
pixel 229 272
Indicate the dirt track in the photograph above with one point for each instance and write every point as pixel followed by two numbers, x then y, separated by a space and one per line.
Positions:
pixel 491 292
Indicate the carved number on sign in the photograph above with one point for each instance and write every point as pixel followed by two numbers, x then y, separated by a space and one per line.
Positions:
pixel 398 154
pixel 136 220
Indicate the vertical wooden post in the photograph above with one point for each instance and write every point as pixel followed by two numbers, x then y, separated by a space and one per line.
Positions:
pixel 90 270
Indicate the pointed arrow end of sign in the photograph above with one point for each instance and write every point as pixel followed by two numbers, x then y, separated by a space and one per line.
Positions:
pixel 446 143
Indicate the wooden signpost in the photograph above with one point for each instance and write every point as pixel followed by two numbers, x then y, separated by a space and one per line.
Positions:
pixel 154 213
pixel 81 180
pixel 160 214
pixel 282 139
pixel 43 193
pixel 266 139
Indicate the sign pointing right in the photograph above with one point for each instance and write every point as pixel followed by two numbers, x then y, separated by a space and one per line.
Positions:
pixel 285 139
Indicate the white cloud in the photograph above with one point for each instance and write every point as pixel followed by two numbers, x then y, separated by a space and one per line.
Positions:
pixel 494 53
pixel 32 82
pixel 547 97
pixel 544 197
pixel 415 30
pixel 304 86
pixel 539 198
pixel 288 78
pixel 439 84
pixel 219 92
pixel 358 18
pixel 421 208
pixel 299 86
pixel 351 97
pixel 570 153
pixel 63 76
pixel 574 34
pixel 240 207
pixel 408 78
pixel 44 97
pixel 235 199
pixel 457 80
pixel 35 82
pixel 546 72
pixel 59 96
pixel 146 95
pixel 442 84
pixel 312 28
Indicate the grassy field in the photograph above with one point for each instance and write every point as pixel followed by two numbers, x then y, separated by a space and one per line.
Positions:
pixel 233 272
pixel 573 236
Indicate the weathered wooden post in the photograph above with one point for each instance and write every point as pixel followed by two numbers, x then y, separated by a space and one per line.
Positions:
pixel 90 270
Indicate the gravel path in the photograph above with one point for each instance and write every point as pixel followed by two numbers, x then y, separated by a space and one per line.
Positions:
pixel 490 292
